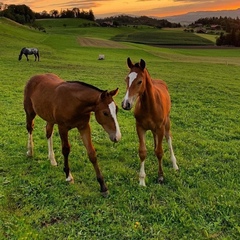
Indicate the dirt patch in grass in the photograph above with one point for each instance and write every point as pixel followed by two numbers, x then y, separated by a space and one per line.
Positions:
pixel 94 42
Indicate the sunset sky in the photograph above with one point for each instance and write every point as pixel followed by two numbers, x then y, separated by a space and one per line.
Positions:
pixel 102 8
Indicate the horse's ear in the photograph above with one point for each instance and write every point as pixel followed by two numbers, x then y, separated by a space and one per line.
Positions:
pixel 142 64
pixel 104 94
pixel 114 92
pixel 129 62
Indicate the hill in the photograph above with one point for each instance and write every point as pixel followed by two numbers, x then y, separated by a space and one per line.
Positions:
pixel 135 34
pixel 188 18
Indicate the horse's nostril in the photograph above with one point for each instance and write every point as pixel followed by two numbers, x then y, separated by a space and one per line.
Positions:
pixel 126 105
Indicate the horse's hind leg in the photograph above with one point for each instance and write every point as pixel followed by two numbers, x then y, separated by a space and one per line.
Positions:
pixel 30 115
pixel 49 135
pixel 169 141
pixel 63 131
pixel 142 152
pixel 158 138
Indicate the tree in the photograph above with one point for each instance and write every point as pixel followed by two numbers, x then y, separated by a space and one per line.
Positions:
pixel 54 13
pixel 76 12
pixel 91 15
pixel 67 14
pixel 19 13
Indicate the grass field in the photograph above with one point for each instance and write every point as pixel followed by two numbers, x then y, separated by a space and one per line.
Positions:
pixel 201 201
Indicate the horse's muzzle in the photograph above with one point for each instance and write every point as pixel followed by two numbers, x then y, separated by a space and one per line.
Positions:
pixel 126 105
pixel 115 139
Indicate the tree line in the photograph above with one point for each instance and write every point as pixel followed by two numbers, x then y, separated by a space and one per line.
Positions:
pixel 125 20
pixel 231 29
pixel 24 15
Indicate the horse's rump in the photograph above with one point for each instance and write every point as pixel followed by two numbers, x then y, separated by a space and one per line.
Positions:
pixel 58 101
pixel 40 94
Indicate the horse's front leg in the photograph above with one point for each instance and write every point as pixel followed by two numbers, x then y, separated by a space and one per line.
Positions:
pixel 49 134
pixel 27 57
pixel 142 152
pixel 158 139
pixel 86 137
pixel 63 131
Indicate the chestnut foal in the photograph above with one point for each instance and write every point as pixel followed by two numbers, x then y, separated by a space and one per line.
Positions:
pixel 69 105
pixel 151 112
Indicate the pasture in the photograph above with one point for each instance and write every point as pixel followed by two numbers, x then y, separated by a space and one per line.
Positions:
pixel 201 201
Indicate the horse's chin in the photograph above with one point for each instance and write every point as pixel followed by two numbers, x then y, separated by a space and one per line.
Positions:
pixel 127 108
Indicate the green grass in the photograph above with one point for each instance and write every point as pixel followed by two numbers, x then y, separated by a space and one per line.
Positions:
pixel 201 201
pixel 162 37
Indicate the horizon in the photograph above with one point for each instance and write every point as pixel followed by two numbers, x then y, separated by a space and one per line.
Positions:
pixel 153 8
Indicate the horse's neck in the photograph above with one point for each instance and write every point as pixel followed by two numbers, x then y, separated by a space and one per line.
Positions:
pixel 90 100
pixel 148 93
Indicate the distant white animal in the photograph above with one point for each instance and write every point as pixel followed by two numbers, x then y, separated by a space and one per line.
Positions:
pixel 101 57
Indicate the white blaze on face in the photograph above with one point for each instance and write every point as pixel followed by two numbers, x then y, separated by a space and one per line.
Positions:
pixel 112 108
pixel 132 76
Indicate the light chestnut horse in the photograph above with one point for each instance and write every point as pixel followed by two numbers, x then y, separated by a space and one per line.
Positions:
pixel 69 105
pixel 151 112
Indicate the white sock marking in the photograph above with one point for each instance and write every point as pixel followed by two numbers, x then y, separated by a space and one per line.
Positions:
pixel 30 145
pixel 173 158
pixel 51 154
pixel 142 175
pixel 70 178
pixel 112 108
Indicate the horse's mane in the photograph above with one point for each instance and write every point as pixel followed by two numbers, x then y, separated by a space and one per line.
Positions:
pixel 86 84
pixel 137 65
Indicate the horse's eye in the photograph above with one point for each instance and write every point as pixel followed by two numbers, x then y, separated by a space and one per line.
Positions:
pixel 105 114
pixel 139 82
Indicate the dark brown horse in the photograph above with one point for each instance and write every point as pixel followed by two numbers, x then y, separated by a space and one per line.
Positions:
pixel 151 112
pixel 69 105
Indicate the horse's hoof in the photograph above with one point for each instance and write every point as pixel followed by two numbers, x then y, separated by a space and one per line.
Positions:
pixel 160 180
pixel 54 163
pixel 105 194
pixel 70 180
pixel 176 167
pixel 29 154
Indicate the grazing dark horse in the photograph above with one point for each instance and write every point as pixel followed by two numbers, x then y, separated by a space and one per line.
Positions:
pixel 151 112
pixel 69 105
pixel 29 51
